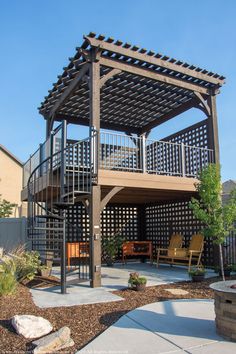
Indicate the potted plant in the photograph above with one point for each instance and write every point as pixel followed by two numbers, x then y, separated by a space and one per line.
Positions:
pixel 227 270
pixel 137 282
pixel 197 274
pixel 111 247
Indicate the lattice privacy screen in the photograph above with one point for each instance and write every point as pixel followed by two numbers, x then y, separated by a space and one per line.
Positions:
pixel 196 135
pixel 176 217
pixel 115 219
pixel 156 225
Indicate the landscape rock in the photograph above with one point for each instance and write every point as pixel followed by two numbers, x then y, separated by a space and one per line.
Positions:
pixel 177 291
pixel 31 326
pixel 53 342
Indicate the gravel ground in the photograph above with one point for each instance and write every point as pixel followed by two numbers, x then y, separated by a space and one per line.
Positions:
pixel 86 321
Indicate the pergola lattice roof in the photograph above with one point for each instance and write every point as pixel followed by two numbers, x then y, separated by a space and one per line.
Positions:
pixel 141 88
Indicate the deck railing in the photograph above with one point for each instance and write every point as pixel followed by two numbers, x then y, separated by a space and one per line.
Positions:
pixel 121 152
pixel 137 154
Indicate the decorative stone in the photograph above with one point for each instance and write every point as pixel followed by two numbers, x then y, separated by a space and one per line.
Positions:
pixel 31 326
pixel 177 291
pixel 53 342
pixel 225 309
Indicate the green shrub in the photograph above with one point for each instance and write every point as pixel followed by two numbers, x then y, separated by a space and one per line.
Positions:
pixel 22 264
pixel 26 265
pixel 8 283
pixel 135 279
pixel 197 271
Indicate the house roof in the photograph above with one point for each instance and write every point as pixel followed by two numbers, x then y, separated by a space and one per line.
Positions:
pixel 13 157
pixel 228 186
pixel 146 90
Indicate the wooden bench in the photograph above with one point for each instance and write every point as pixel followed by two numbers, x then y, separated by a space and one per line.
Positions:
pixel 137 248
pixel 77 250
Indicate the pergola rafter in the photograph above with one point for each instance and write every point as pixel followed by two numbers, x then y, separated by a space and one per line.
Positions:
pixel 139 89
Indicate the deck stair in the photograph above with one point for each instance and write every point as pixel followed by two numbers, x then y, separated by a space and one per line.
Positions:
pixel 67 178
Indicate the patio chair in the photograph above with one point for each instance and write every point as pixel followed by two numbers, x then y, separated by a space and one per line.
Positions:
pixel 166 254
pixel 192 254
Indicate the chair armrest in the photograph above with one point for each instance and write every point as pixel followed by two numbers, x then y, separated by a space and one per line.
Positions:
pixel 162 249
pixel 192 252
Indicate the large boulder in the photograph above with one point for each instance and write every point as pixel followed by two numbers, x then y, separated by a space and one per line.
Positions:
pixel 31 326
pixel 53 342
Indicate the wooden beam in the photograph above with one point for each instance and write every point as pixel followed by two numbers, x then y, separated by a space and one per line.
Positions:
pixel 152 60
pixel 181 109
pixel 108 76
pixel 145 180
pixel 206 108
pixel 72 85
pixel 104 125
pixel 157 76
pixel 94 95
pixel 109 195
pixel 213 129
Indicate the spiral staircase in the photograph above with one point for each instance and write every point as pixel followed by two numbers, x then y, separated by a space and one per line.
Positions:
pixel 65 172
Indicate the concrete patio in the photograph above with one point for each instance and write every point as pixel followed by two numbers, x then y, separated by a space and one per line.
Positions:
pixel 113 278
pixel 179 326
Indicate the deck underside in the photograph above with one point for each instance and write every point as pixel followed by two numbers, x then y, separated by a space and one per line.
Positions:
pixel 136 187
pixel 141 188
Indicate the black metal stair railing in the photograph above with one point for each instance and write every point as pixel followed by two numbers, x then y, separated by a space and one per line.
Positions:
pixel 52 187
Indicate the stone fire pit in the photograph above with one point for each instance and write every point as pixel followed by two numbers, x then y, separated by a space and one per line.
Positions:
pixel 225 308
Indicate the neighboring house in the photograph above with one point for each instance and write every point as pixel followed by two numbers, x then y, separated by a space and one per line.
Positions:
pixel 11 170
pixel 228 186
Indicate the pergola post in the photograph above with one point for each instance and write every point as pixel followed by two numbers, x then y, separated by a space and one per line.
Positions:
pixel 95 198
pixel 213 140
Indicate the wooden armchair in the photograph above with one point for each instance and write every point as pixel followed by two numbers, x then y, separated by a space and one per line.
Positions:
pixel 192 254
pixel 166 254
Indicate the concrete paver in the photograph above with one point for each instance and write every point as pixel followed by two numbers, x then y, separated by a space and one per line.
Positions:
pixel 76 295
pixel 179 326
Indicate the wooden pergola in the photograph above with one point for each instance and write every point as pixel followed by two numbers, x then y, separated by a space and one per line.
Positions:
pixel 117 86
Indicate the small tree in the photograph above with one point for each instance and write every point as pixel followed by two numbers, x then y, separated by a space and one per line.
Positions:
pixel 6 208
pixel 218 219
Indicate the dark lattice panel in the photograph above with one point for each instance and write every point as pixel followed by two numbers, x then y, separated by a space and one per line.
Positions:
pixel 78 224
pixel 79 154
pixel 122 158
pixel 164 219
pixel 195 135
pixel 120 220
pixel 194 159
pixel 115 220
pixel 164 158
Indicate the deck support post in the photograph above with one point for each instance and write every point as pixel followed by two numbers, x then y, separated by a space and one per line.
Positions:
pixel 95 237
pixel 95 197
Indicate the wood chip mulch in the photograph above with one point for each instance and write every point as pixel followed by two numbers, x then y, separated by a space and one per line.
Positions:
pixel 85 321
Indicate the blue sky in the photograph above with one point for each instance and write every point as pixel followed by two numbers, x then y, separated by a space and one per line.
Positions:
pixel 38 36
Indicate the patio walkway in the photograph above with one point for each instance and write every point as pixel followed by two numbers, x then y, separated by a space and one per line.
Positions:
pixel 113 278
pixel 180 326
pixel 116 277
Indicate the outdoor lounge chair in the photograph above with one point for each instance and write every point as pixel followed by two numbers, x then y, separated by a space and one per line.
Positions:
pixel 166 254
pixel 190 255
